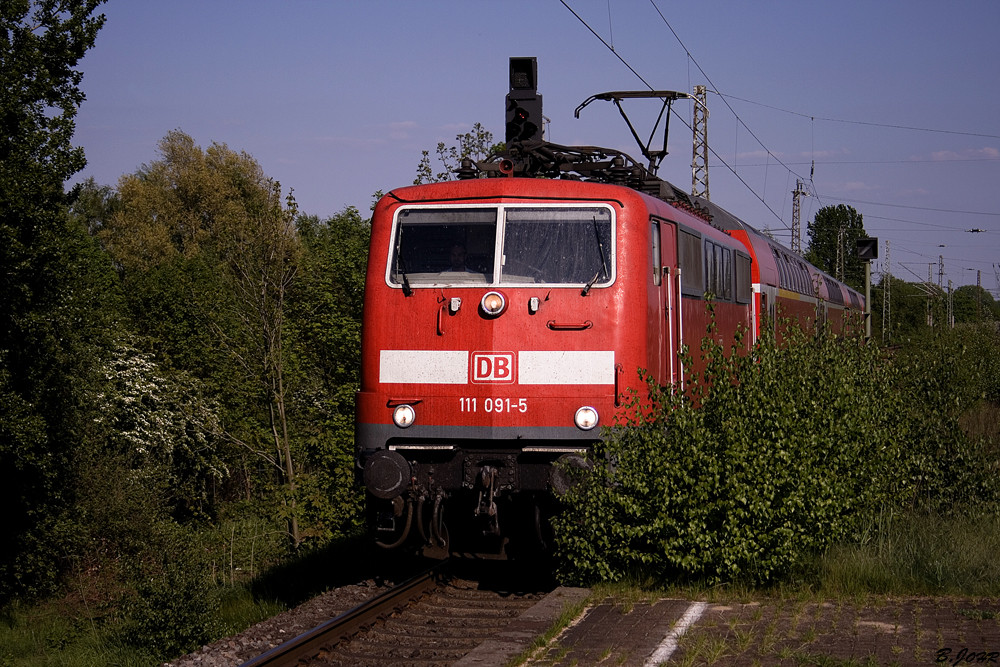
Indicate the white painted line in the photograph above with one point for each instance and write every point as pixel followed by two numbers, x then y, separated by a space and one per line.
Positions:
pixel 669 643
pixel 424 366
pixel 566 367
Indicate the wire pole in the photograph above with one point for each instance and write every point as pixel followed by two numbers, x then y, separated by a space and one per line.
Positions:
pixel 699 149
pixel 886 299
pixel 979 295
pixel 840 254
pixel 797 216
pixel 951 307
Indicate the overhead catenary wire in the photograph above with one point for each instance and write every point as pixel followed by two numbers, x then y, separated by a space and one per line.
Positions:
pixel 772 158
pixel 606 44
pixel 859 122
pixel 650 87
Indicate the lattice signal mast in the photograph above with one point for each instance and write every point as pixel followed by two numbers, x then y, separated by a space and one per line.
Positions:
pixel 886 300
pixel 797 215
pixel 699 153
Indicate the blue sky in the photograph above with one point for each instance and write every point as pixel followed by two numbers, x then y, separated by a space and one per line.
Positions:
pixel 337 98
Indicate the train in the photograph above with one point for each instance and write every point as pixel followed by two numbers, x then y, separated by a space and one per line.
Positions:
pixel 509 313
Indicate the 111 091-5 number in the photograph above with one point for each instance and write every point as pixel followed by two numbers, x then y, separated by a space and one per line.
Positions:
pixel 501 405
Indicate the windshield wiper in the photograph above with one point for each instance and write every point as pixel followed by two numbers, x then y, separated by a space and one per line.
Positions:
pixel 604 260
pixel 407 290
pixel 592 281
pixel 401 265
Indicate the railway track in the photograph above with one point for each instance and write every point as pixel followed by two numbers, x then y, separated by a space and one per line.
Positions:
pixel 435 618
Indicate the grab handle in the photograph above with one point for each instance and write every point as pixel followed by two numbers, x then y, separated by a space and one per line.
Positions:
pixel 569 326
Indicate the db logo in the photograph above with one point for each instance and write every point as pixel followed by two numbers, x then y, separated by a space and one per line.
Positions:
pixel 492 366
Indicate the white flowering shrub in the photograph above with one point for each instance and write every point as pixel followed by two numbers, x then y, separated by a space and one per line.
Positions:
pixel 166 432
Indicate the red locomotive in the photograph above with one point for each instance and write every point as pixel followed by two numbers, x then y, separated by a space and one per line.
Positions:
pixel 507 316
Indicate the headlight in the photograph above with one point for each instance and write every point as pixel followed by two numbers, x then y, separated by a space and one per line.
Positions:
pixel 493 303
pixel 585 418
pixel 403 416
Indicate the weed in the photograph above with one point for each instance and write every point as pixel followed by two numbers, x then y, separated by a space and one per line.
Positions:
pixel 540 644
pixel 743 639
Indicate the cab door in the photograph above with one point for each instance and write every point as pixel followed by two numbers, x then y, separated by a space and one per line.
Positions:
pixel 665 265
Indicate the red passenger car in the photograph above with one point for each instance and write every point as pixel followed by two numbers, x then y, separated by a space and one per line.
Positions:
pixel 507 317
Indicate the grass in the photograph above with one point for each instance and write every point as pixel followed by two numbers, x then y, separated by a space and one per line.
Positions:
pixel 919 555
pixel 48 634
pixel 54 633
pixel 87 626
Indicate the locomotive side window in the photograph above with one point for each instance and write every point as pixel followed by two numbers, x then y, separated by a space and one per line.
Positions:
pixel 726 279
pixel 655 235
pixel 562 246
pixel 804 277
pixel 719 271
pixel 743 288
pixel 793 277
pixel 690 259
pixel 709 268
pixel 833 290
pixel 777 264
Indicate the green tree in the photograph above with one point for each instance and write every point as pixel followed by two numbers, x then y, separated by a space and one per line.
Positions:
pixel 91 204
pixel 833 236
pixel 208 253
pixel 263 256
pixel 53 287
pixel 974 304
pixel 477 145
pixel 40 44
pixel 325 329
pixel 906 310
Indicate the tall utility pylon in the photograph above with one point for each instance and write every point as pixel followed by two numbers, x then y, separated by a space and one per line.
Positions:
pixel 979 296
pixel 951 306
pixel 797 216
pixel 699 153
pixel 886 300
pixel 840 254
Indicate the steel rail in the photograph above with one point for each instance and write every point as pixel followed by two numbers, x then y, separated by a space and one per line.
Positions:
pixel 310 643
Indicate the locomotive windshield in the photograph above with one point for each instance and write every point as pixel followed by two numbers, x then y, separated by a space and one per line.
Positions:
pixel 509 245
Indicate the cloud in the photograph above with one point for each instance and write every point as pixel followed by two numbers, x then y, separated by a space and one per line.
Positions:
pixel 379 135
pixel 985 153
pixel 820 155
pixel 758 155
pixel 858 186
pixel 401 129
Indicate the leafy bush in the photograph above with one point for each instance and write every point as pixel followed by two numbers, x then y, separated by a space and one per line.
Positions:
pixel 764 460
pixel 946 375
pixel 173 609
